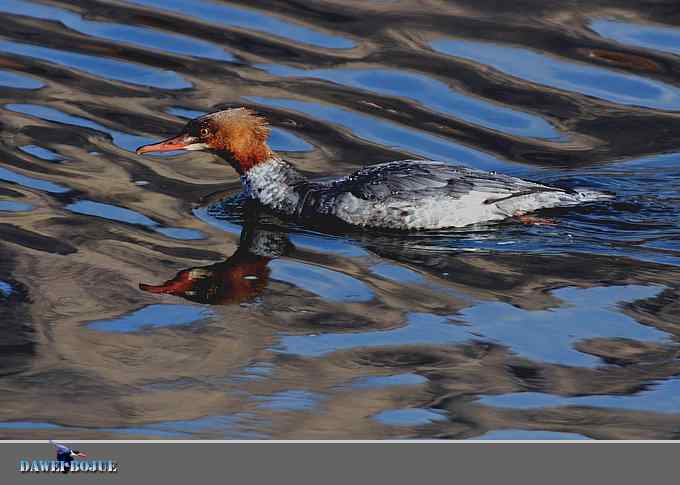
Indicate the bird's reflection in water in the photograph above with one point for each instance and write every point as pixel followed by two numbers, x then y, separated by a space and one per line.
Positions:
pixel 241 277
pixel 474 261
pixel 265 237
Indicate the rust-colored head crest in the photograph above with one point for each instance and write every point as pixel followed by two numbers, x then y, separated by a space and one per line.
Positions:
pixel 241 133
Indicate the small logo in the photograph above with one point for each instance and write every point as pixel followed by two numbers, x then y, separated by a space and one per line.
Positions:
pixel 67 462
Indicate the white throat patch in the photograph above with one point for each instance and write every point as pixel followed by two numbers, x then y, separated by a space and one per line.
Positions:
pixel 196 147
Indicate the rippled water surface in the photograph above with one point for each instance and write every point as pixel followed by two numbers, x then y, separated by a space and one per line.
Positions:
pixel 143 298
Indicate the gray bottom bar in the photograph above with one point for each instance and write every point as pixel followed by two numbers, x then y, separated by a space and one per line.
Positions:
pixel 321 463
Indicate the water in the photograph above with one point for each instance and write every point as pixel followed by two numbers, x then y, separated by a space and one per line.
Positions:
pixel 139 298
pixel 153 316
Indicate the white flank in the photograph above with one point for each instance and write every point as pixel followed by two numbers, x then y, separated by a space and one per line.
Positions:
pixel 442 211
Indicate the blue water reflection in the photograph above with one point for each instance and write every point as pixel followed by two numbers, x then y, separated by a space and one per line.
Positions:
pixel 12 206
pixel 123 140
pixel 153 316
pixel 656 37
pixel 41 152
pixel 28 425
pixel 121 214
pixel 31 182
pixel 14 80
pixel 5 288
pixel 324 282
pixel 377 382
pixel 145 37
pixel 292 400
pixel 432 94
pixel 100 66
pixel 421 328
pixel 661 397
pixel 607 84
pixel 549 335
pixel 250 19
pixel 586 313
pixel 408 417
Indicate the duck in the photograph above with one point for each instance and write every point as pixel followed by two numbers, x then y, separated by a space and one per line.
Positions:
pixel 404 195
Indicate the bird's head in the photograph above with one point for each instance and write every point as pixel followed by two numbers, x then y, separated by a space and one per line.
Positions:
pixel 78 454
pixel 238 135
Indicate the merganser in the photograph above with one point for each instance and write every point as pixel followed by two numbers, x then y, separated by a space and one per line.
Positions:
pixel 403 195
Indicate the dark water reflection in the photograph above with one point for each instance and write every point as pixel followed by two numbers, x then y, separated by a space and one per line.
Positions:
pixel 139 299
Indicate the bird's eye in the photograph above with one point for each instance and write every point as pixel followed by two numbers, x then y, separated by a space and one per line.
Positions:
pixel 204 132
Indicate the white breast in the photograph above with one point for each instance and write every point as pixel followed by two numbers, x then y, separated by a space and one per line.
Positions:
pixel 269 182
